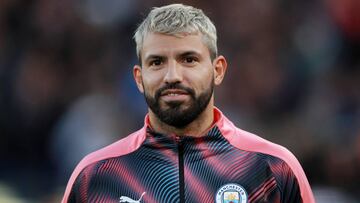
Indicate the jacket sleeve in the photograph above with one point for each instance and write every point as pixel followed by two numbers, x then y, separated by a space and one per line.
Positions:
pixel 77 190
pixel 286 181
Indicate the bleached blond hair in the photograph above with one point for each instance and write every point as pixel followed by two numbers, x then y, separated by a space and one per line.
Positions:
pixel 177 20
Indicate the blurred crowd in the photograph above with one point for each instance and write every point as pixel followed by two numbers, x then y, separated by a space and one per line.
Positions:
pixel 66 85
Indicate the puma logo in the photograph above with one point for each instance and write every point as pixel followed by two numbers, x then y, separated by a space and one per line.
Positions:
pixel 129 200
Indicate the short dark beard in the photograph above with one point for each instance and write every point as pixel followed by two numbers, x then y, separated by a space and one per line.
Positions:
pixel 176 114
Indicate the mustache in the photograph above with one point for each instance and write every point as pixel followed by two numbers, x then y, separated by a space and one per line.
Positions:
pixel 178 86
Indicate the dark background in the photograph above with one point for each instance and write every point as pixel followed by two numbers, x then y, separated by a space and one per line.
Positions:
pixel 66 85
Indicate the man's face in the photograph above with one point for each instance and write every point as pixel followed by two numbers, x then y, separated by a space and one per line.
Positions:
pixel 177 77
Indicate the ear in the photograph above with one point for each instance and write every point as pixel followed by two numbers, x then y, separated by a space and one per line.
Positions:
pixel 138 78
pixel 220 66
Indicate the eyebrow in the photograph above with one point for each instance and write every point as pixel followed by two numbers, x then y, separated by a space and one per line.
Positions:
pixel 180 55
pixel 189 53
pixel 153 56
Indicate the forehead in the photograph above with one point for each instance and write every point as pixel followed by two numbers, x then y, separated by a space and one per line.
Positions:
pixel 168 45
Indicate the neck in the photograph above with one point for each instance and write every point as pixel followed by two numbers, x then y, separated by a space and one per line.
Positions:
pixel 196 128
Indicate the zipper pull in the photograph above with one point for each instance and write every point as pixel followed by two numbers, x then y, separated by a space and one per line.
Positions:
pixel 178 139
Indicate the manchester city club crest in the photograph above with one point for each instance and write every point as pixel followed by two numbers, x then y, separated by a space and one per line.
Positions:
pixel 231 193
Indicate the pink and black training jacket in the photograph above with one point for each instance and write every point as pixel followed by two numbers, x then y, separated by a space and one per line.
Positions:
pixel 225 165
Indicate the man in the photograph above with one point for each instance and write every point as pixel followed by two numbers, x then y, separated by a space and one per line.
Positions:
pixel 187 151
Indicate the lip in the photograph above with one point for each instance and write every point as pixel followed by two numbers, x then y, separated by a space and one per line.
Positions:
pixel 174 95
pixel 174 92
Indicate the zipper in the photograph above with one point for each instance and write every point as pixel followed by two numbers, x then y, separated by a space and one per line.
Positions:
pixel 181 169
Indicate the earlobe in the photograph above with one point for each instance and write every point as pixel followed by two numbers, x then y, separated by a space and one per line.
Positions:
pixel 138 78
pixel 220 66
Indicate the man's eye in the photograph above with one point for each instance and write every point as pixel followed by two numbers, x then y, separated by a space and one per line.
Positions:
pixel 156 62
pixel 190 60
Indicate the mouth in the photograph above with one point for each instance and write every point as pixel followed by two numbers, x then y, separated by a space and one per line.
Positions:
pixel 174 92
pixel 174 95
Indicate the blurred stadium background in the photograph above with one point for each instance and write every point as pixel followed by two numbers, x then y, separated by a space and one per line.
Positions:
pixel 66 85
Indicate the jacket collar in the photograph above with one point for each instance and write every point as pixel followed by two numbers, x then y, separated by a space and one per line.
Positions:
pixel 219 120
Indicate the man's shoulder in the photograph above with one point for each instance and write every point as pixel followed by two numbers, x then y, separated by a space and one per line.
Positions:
pixel 250 142
pixel 247 141
pixel 121 147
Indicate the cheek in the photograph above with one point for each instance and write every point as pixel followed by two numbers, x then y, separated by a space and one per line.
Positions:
pixel 151 84
pixel 147 86
pixel 202 81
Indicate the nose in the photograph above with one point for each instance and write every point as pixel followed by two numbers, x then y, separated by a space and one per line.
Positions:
pixel 173 74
